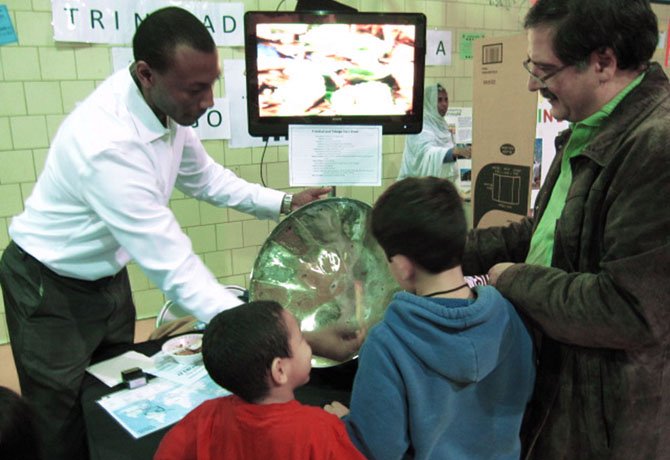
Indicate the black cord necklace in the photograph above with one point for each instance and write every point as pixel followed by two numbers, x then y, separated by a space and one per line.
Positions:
pixel 447 291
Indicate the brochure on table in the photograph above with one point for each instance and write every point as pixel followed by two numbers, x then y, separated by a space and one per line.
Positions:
pixel 164 400
pixel 158 404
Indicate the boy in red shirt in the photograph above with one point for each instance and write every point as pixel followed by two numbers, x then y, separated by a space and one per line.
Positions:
pixel 258 352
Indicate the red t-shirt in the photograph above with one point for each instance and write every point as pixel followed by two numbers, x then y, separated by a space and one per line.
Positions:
pixel 230 428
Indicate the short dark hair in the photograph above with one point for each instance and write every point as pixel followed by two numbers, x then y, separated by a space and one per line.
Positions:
pixel 239 345
pixel 423 219
pixel 163 30
pixel 18 434
pixel 629 27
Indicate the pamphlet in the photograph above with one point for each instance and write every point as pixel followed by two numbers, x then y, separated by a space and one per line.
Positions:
pixel 158 404
pixel 169 369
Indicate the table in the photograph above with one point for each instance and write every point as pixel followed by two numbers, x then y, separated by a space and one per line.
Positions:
pixel 107 440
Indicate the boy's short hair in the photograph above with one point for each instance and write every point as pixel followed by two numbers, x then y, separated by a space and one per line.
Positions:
pixel 421 218
pixel 239 345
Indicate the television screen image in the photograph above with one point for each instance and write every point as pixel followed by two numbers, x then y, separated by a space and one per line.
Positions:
pixel 334 68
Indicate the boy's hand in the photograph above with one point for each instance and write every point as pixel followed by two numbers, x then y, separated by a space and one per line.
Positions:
pixel 336 408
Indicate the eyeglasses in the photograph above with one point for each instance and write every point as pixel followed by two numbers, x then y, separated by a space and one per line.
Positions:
pixel 543 79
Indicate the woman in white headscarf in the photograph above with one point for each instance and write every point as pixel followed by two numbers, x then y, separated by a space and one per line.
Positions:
pixel 433 151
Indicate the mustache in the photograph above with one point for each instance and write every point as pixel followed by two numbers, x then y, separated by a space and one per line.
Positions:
pixel 547 94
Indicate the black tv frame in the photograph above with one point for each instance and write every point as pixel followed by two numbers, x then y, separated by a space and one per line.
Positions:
pixel 322 5
pixel 277 126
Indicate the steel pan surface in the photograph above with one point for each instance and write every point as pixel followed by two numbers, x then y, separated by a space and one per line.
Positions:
pixel 323 265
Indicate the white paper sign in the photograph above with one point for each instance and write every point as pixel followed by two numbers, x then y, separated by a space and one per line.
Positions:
pixel 459 120
pixel 121 57
pixel 215 123
pixel 335 155
pixel 236 91
pixel 438 47
pixel 546 130
pixel 109 371
pixel 115 21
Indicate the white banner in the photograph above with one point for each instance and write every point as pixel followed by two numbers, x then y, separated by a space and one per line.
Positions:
pixel 115 21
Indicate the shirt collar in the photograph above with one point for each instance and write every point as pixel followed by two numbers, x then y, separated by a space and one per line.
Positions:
pixel 605 111
pixel 149 128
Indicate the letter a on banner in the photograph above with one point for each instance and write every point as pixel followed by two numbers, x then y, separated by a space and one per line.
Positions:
pixel 438 50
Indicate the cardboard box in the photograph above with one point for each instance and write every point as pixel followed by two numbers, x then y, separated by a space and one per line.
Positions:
pixel 504 125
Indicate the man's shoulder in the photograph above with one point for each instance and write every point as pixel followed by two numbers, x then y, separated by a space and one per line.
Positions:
pixel 105 104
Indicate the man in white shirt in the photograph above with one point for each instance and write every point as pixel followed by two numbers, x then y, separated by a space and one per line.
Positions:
pixel 101 201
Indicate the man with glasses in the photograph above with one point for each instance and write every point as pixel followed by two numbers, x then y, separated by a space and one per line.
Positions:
pixel 590 271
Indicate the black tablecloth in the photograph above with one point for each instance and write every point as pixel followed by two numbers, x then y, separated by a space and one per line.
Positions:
pixel 108 440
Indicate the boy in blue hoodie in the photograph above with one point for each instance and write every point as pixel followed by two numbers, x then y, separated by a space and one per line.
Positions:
pixel 448 372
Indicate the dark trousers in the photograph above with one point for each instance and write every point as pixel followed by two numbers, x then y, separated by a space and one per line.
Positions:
pixel 56 324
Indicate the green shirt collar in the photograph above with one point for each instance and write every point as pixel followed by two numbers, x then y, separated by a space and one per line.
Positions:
pixel 597 118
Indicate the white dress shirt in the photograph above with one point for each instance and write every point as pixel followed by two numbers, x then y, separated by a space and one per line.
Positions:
pixel 102 198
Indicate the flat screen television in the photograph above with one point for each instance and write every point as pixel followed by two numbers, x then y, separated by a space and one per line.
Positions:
pixel 334 68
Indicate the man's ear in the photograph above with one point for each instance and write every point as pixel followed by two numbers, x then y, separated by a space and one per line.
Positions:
pixel 279 371
pixel 144 74
pixel 605 63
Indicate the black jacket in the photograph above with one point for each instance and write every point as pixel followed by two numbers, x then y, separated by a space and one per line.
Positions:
pixel 603 307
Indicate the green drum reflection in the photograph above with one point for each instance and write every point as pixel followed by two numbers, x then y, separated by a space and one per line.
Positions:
pixel 323 265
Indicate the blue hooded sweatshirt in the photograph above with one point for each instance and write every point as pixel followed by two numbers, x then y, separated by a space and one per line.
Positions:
pixel 443 379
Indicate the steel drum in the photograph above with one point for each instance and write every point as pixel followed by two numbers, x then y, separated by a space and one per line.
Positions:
pixel 323 265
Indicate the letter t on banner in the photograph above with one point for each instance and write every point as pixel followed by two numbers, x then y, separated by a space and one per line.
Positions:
pixel 438 49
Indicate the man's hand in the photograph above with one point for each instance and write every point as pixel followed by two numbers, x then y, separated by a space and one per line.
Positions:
pixel 308 195
pixel 337 341
pixel 336 408
pixel 497 270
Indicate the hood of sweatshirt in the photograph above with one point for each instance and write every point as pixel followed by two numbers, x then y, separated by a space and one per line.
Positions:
pixel 464 340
